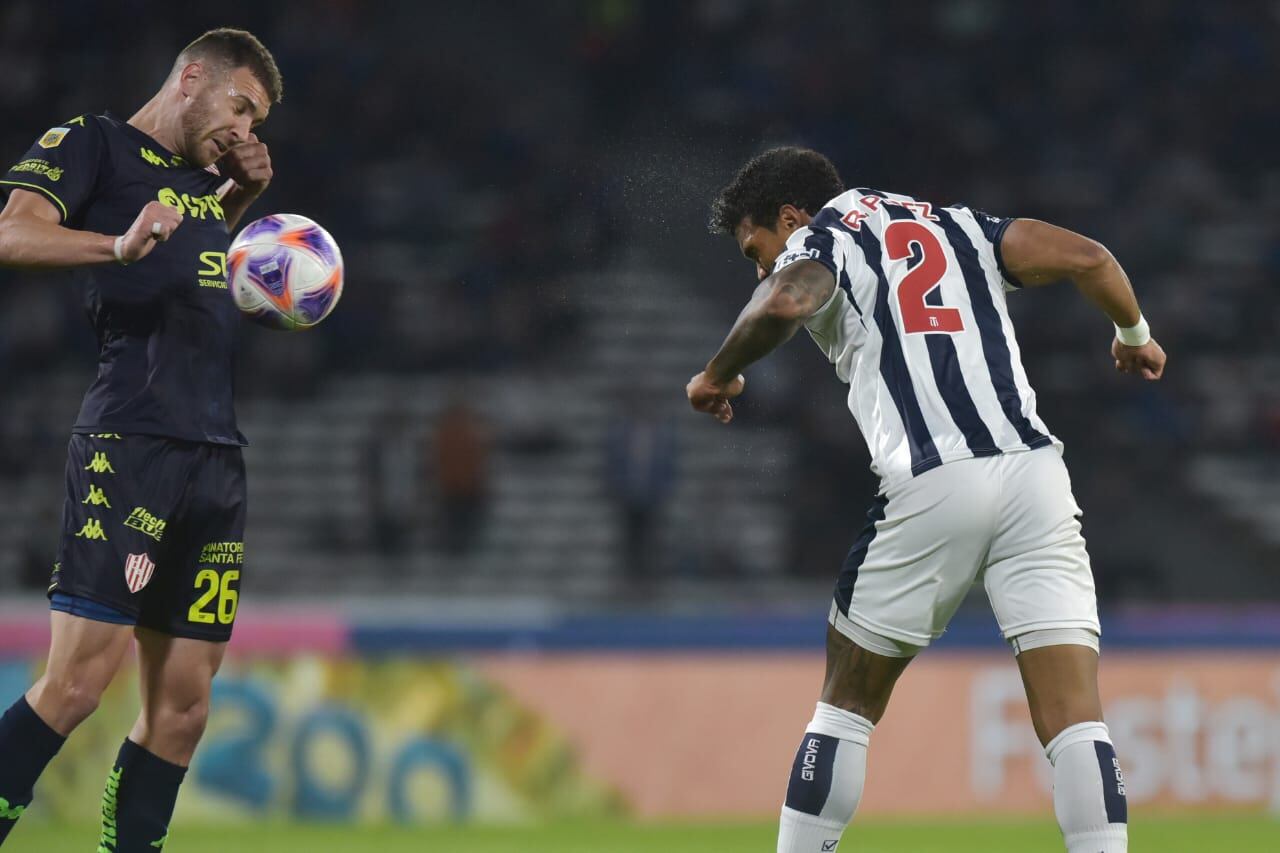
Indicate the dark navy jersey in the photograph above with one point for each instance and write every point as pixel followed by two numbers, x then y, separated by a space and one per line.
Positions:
pixel 167 327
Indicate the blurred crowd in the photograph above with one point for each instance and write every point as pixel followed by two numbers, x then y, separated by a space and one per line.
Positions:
pixel 471 161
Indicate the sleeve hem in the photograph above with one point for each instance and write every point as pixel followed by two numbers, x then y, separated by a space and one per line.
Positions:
pixel 996 238
pixel 62 208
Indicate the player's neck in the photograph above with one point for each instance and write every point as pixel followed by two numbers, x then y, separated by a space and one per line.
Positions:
pixel 157 122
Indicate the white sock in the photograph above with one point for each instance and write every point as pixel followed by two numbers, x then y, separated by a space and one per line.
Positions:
pixel 826 781
pixel 1088 790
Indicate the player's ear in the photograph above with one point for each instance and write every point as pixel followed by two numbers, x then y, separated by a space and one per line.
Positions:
pixel 190 78
pixel 790 218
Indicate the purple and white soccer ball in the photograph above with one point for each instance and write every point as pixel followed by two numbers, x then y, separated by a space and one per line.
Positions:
pixel 285 272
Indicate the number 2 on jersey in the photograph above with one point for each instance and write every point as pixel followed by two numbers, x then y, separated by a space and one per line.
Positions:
pixel 917 316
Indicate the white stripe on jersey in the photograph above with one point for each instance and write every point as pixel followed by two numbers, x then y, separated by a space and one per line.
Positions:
pixel 919 329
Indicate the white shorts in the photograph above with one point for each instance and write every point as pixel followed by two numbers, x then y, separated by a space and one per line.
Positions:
pixel 1008 520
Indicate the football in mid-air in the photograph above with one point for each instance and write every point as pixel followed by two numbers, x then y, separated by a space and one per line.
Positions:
pixel 285 271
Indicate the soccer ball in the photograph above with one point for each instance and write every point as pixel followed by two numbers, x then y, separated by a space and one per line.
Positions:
pixel 285 272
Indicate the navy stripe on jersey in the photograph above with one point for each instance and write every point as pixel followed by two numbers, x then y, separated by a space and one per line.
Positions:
pixel 847 286
pixel 993 229
pixel 893 365
pixel 994 346
pixel 945 361
pixel 858 554
pixel 821 244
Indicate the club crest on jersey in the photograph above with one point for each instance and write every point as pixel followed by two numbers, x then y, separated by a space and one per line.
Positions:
pixel 138 569
pixel 53 138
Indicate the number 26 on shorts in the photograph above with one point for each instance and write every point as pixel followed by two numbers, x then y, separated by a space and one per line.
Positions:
pixel 213 585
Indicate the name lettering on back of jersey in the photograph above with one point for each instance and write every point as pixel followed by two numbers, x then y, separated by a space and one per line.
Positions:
pixel 198 207
pixel 854 218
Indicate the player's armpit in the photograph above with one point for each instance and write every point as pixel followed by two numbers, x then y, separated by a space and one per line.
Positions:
pixel 1038 253
pixel 798 290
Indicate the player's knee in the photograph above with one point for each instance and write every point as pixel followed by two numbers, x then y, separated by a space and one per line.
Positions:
pixel 180 723
pixel 65 702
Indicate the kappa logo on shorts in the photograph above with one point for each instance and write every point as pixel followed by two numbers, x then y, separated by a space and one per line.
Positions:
pixel 137 571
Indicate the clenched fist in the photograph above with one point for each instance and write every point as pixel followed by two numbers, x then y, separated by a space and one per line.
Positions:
pixel 248 164
pixel 155 224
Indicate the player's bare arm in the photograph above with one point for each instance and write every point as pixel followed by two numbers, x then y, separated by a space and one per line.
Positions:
pixel 777 310
pixel 32 236
pixel 248 169
pixel 1038 253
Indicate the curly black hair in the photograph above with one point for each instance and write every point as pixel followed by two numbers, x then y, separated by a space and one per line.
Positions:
pixel 787 175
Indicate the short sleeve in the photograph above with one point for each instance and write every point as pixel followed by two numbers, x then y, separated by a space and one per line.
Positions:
pixel 62 166
pixel 993 228
pixel 810 243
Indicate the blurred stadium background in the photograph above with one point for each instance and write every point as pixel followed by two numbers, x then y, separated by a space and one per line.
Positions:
pixel 497 571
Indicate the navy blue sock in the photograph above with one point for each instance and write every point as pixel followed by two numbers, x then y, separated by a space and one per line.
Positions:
pixel 26 746
pixel 138 801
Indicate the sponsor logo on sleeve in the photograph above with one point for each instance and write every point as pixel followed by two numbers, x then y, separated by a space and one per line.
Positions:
pixel 789 258
pixel 39 167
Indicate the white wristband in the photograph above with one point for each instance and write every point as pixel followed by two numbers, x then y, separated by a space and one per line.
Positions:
pixel 115 250
pixel 1136 335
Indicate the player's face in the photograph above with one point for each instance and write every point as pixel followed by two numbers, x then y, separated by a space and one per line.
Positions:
pixel 222 114
pixel 761 245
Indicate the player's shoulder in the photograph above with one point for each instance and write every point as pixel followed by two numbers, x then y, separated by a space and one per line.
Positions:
pixel 78 130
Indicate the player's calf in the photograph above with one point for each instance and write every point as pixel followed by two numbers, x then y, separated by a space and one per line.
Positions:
pixel 1060 672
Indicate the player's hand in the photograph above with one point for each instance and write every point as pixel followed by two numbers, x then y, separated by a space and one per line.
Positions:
pixel 1147 360
pixel 248 164
pixel 707 396
pixel 155 224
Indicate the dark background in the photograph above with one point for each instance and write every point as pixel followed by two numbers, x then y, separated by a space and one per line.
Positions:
pixel 496 410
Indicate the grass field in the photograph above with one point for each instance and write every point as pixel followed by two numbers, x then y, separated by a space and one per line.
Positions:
pixel 1170 835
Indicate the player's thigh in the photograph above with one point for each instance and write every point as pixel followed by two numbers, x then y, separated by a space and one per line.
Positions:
pixel 176 673
pixel 1061 680
pixel 197 596
pixel 917 558
pixel 1037 574
pixel 857 679
pixel 84 656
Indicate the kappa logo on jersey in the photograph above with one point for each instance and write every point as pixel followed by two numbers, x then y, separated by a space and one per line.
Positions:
pixel 92 530
pixel 138 569
pixel 100 464
pixel 53 138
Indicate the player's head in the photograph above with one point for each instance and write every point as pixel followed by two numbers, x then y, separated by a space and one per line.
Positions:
pixel 224 84
pixel 771 196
